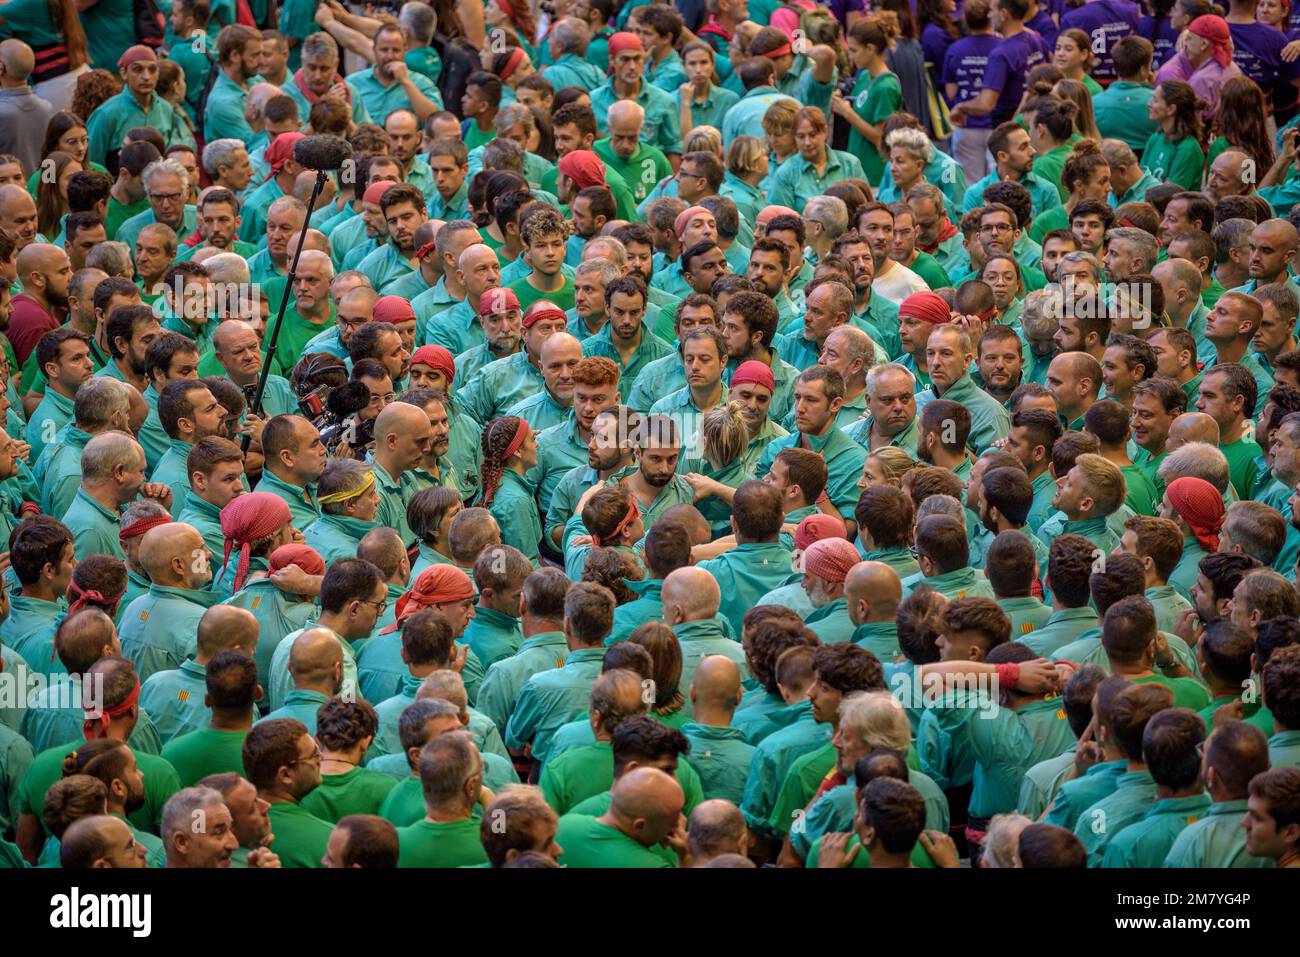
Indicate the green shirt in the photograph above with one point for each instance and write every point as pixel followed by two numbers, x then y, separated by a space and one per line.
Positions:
pixel 107 125
pixel 356 791
pixel 337 536
pixel 698 640
pixel 506 678
pixel 1077 795
pixel 160 783
pixel 1043 782
pixel 746 573
pixel 1121 111
pixel 1243 469
pixel 661 129
pixel 874 99
pixel 773 759
pixel 797 180
pixel 1215 839
pixel 550 698
pixel 1181 162
pixel 1168 605
pixel 381 100
pixel 1027 615
pixel 721 758
pixel 989 420
pixel 641 171
pixel 493 635
pixel 440 844
pixel 206 751
pixel 159 629
pixel 1147 841
pixel 589 843
pixel 303 508
pixel 174 700
pixel 835 810
pixel 1135 791
pixel 300 837
pixel 579 773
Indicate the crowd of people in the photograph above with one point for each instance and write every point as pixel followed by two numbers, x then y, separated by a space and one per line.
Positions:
pixel 716 434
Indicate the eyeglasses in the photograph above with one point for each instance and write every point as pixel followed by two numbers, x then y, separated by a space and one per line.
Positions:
pixel 380 606
pixel 166 197
pixel 314 756
pixel 996 228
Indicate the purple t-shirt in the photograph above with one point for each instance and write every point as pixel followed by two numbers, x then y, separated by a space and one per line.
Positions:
pixel 1162 36
pixel 935 43
pixel 1257 49
pixel 1008 63
pixel 1044 25
pixel 964 64
pixel 1107 21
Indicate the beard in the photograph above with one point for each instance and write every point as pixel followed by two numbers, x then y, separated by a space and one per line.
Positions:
pixel 657 481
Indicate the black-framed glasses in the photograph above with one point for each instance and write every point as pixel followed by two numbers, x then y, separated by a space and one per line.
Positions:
pixel 380 606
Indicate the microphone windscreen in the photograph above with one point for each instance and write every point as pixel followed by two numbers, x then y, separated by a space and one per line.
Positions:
pixel 321 152
pixel 348 399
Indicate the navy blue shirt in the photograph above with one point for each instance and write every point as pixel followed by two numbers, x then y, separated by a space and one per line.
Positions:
pixel 964 64
pixel 1010 60
pixel 1109 20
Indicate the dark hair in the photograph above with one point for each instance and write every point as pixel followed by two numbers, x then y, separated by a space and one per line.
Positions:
pixel 347 580
pixel 35 543
pixel 271 744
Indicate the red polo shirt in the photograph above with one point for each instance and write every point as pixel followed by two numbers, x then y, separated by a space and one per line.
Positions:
pixel 27 324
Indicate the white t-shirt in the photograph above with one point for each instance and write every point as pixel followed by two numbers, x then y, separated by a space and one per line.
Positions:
pixel 898 283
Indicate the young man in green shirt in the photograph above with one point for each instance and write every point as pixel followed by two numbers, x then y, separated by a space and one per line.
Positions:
pixel 544 236
pixel 1158 544
pixel 284 762
pixel 232 695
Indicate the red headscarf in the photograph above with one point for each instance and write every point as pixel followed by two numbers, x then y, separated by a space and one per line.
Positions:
pixel 756 373
pixel 281 150
pixel 543 310
pixel 1214 29
pixel 927 306
pixel 1199 504
pixel 816 527
pixel 437 585
pixel 247 519
pixel 583 167
pixel 136 529
pixel 99 721
pixel 435 357
pixel 392 310
pixel 304 556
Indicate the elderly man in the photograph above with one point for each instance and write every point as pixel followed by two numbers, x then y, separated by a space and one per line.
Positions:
pixel 284 170
pixel 102 405
pixel 460 327
pixel 318 79
pixel 826 567
pixel 239 351
pixel 167 187
pixel 633 149
pixel 113 471
pixel 159 628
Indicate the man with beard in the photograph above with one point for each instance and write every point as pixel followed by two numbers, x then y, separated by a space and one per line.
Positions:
pixel 850 352
pixel 283 762
pixel 137 105
pixel 506 382
pixel 1000 362
pixel 591 208
pixel 948 359
pixel 1157 403
pixel 829 306
pixel 318 79
pixel 1129 251
pixel 818 394
pixel 248 819
pixel 748 325
pixel 626 338
pixel 609 451
pixel 501 322
pixel 701 265
pixel 874 314
pixel 590 278
pixel 219 222
pixel 566 445
pixel 574 129
pixel 357 236
pixel 769 263
pixel 403 208
pixel 692 226
pixel 1013 157
pixel 390 85
pixel 890 279
pixel 239 51
pixel 460 328
pixel 403 129
pixel 45 273
pixel 553 404
pixel 125 328
pixel 1272 254
pixel 188 412
pixel 382 341
pixel 1056 245
pixel 936 234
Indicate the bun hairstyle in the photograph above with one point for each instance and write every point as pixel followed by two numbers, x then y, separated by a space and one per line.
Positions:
pixel 1082 164
pixel 1187 107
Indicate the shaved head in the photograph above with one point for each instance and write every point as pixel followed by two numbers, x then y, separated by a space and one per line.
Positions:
pixel 226 626
pixel 716 682
pixel 1192 427
pixel 873 590
pixel 171 555
pixel 314 653
pixel 692 594
pixel 645 793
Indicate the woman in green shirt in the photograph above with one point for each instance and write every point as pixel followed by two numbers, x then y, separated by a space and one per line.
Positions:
pixel 877 94
pixel 1085 175
pixel 65 133
pixel 1074 58
pixel 1173 152
pixel 1002 274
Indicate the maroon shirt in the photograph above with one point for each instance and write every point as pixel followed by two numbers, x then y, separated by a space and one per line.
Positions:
pixel 28 323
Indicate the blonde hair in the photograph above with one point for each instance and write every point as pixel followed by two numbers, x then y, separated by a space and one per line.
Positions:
pixel 724 434
pixel 706 138
pixel 779 118
pixel 894 463
pixel 877 719
pixel 1104 481
pixel 744 154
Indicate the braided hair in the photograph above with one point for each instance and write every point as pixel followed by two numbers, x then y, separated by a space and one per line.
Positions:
pixel 496 439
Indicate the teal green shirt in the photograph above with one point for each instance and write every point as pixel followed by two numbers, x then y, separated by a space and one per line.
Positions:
pixel 159 628
pixel 550 698
pixel 303 507
pixel 721 758
pixel 174 699
pixel 52 415
pixel 58 472
pixel 206 518
pixel 1135 791
pixel 107 125
pixel 1079 794
pixel 989 420
pixel 797 180
pixel 173 471
pixel 516 512
pixel 1060 629
pixel 963 583
pixel 223 115
pixel 746 573
pixel 337 536
pixel 1216 839
pixel 1147 842
pixel 662 127
pixel 648 350
pixel 1027 615
pixel 506 678
pixel 774 756
pixel 381 100
pixel 698 640
pixel 493 635
pixel 1168 605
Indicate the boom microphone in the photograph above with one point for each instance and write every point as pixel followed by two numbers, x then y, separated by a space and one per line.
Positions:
pixel 321 152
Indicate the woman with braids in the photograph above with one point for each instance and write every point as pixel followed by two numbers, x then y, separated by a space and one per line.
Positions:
pixel 1084 175
pixel 1173 152
pixel 1239 124
pixel 509 451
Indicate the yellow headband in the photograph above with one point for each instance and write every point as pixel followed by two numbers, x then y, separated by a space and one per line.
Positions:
pixel 343 496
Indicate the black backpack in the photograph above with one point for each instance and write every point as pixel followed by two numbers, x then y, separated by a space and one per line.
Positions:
pixel 459 59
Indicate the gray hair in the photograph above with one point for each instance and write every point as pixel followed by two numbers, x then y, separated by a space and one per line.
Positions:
pixel 830 212
pixel 876 718
pixel 98 399
pixel 912 140
pixel 419 20
pixel 221 153
pixel 512 115
pixel 445 685
pixel 316 256
pixel 1199 460
pixel 112 257
pixel 340 474
pixel 1038 316
pixel 571 35
pixel 320 46
pixel 446 763
pixel 927 191
pixel 875 373
pixel 183 810
pixel 617 252
pixel 1079 256
pixel 604 268
pixel 142 508
pixel 1118 153
pixel 1002 841
pixel 858 343
pixel 941 505
pixel 228 268
pixel 166 167
pixel 1144 242
pixel 504 153
pixel 106 452
pixel 287 202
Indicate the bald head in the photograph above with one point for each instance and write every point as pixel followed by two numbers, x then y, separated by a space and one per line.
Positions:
pixel 225 627
pixel 644 801
pixel 691 594
pixel 716 828
pixel 42 258
pixel 258 96
pixel 1192 427
pixel 315 250
pixel 98 840
pixel 473 254
pixel 1177 274
pixel 18 60
pixel 84 638
pixel 626 111
pixel 689 517
pixel 716 683
pixel 230 333
pixel 874 592
pixel 174 555
pixel 399 419
pixel 315 654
